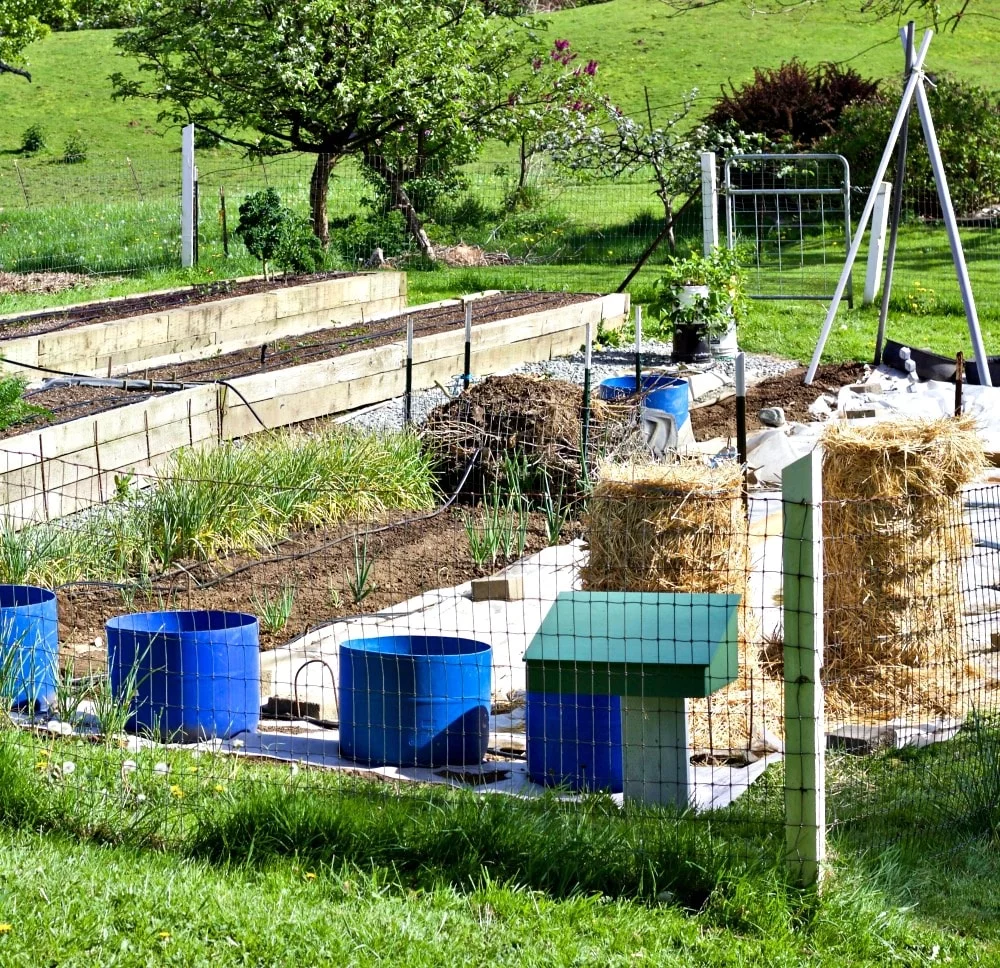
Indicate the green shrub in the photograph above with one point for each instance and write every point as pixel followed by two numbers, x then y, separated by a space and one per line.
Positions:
pixel 13 407
pixel 967 122
pixel 792 103
pixel 33 139
pixel 275 234
pixel 358 236
pixel 75 150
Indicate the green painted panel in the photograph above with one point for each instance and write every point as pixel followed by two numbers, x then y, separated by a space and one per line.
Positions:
pixel 635 644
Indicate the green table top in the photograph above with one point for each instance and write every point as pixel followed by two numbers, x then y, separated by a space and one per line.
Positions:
pixel 635 644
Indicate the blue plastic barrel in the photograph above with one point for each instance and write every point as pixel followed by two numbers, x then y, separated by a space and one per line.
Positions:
pixel 29 645
pixel 194 674
pixel 575 741
pixel 415 700
pixel 660 392
pixel 622 387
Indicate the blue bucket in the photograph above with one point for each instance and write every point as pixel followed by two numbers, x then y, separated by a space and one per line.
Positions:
pixel 195 674
pixel 660 392
pixel 575 741
pixel 29 645
pixel 415 700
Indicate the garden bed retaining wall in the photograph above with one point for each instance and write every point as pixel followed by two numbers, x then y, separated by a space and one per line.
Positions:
pixel 194 332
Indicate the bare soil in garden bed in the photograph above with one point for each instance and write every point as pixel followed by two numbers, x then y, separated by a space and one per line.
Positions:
pixel 407 560
pixel 67 403
pixel 49 321
pixel 786 391
pixel 338 340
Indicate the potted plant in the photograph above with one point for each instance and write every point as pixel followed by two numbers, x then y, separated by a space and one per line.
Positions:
pixel 700 300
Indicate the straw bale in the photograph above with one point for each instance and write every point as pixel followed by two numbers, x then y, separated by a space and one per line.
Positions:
pixel 894 541
pixel 681 527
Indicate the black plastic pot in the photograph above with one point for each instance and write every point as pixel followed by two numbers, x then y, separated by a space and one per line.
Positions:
pixel 691 345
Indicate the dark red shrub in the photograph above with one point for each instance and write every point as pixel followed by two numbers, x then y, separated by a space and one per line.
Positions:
pixel 792 103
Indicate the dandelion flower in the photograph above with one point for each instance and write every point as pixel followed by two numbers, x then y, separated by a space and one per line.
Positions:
pixel 176 791
pixel 6 928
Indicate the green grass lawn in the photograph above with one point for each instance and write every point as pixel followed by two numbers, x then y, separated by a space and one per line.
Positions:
pixel 228 863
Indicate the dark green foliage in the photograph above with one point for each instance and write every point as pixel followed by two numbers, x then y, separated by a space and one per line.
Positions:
pixel 275 234
pixel 33 139
pixel 357 237
pixel 793 103
pixel 967 122
pixel 205 140
pixel 13 407
pixel 75 150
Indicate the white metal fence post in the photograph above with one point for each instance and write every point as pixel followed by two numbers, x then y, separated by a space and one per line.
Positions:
pixel 188 176
pixel 709 202
pixel 805 736
pixel 876 242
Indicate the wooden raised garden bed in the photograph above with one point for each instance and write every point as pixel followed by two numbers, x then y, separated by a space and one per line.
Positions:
pixel 96 340
pixel 65 467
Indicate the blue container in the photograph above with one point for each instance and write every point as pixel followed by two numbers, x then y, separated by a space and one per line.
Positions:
pixel 660 392
pixel 575 741
pixel 29 645
pixel 415 700
pixel 196 674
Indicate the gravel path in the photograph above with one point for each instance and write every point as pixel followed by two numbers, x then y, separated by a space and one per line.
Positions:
pixel 604 363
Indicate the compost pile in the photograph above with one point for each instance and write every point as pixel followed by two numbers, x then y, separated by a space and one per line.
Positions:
pixel 681 527
pixel 504 422
pixel 894 542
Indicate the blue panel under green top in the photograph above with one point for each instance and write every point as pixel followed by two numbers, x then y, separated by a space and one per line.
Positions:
pixel 635 644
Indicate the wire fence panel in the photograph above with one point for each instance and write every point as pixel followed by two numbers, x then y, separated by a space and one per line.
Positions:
pixel 496 609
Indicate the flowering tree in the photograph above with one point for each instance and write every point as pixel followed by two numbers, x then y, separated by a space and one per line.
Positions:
pixel 607 143
pixel 335 78
pixel 425 161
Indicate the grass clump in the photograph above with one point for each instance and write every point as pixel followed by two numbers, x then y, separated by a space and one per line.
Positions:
pixel 239 497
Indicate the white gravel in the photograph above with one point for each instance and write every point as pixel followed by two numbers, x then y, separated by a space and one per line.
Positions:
pixel 605 363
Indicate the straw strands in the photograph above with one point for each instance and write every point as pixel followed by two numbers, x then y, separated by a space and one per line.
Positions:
pixel 894 540
pixel 681 527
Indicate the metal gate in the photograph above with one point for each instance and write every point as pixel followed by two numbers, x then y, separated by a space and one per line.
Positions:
pixel 790 218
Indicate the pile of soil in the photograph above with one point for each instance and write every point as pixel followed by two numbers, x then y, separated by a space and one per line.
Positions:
pixel 415 557
pixel 43 281
pixel 786 391
pixel 507 419
pixel 49 321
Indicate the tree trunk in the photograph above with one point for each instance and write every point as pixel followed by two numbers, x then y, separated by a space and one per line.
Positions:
pixel 319 186
pixel 522 175
pixel 401 202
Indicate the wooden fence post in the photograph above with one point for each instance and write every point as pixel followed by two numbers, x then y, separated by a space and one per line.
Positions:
pixel 805 736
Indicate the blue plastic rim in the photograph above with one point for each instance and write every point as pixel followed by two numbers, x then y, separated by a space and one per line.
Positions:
pixel 661 392
pixel 29 646
pixel 415 700
pixel 575 741
pixel 193 675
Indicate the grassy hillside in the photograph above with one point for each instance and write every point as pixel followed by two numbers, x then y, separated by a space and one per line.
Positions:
pixel 637 42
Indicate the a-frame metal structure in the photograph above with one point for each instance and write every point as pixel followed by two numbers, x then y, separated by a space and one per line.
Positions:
pixel 913 91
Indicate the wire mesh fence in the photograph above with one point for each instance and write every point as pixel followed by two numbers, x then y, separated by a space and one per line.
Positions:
pixel 495 605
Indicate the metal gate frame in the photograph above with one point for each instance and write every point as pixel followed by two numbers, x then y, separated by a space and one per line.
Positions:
pixel 844 190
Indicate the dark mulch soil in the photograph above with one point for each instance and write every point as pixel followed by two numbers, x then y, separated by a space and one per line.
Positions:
pixel 326 343
pixel 407 561
pixel 786 391
pixel 66 403
pixel 48 321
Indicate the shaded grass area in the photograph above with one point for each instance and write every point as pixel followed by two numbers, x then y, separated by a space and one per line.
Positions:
pixel 272 868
